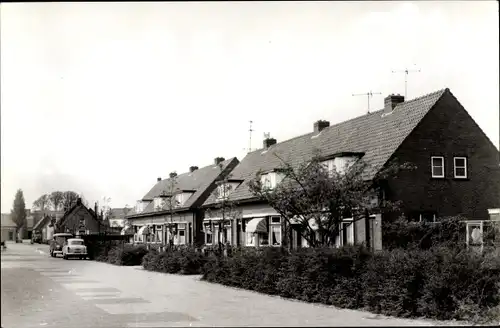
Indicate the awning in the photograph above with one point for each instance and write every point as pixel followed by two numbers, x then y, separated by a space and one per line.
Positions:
pixel 256 225
pixel 144 230
pixel 127 230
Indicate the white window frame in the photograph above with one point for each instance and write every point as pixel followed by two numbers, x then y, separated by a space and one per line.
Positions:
pixel 158 203
pixel 275 225
pixel 442 166
pixel 459 167
pixel 272 179
pixel 208 231
pixel 250 236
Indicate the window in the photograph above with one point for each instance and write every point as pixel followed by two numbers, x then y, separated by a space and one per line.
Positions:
pixel 159 233
pixel 276 235
pixel 250 240
pixel 263 238
pixel 275 231
pixel 227 233
pixel 158 204
pixel 208 235
pixel 216 234
pixel 182 237
pixel 460 165
pixel 271 179
pixel 437 166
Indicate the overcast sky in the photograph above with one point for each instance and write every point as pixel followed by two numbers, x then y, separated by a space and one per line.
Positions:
pixel 103 98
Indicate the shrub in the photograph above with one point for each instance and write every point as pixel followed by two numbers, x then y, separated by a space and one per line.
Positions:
pixel 449 231
pixel 128 255
pixel 440 283
pixel 184 260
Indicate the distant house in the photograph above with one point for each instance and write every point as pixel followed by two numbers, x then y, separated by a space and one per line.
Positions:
pixel 151 220
pixel 116 216
pixel 46 224
pixel 457 167
pixel 80 220
pixel 8 228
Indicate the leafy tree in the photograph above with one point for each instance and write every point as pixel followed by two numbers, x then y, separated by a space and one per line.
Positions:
pixel 56 199
pixel 224 208
pixel 18 212
pixel 314 200
pixel 69 199
pixel 42 203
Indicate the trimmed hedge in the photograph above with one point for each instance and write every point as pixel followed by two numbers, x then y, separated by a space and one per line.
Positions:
pixel 438 283
pixel 116 253
pixel 183 260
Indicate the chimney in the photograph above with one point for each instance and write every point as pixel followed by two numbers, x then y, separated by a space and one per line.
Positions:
pixel 193 168
pixel 391 101
pixel 159 179
pixel 268 142
pixel 219 160
pixel 320 125
pixel 78 201
pixel 172 175
pixel 95 208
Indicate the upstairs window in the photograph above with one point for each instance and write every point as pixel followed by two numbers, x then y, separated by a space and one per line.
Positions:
pixel 460 167
pixel 271 180
pixel 437 166
pixel 340 164
pixel 158 204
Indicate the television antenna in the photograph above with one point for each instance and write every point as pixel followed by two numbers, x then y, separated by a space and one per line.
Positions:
pixel 406 71
pixel 250 130
pixel 368 95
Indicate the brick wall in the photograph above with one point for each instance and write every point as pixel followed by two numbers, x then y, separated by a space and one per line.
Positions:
pixel 448 130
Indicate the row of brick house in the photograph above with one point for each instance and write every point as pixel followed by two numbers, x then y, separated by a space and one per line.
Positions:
pixel 457 173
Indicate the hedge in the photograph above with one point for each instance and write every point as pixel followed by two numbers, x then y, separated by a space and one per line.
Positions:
pixel 183 260
pixel 114 252
pixel 439 283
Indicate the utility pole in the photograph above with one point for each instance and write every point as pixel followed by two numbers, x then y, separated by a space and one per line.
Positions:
pixel 406 71
pixel 368 95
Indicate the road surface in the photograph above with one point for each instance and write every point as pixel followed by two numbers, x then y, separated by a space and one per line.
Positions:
pixel 40 291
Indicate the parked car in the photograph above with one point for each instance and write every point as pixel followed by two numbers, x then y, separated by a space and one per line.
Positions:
pixel 74 247
pixel 36 237
pixel 57 243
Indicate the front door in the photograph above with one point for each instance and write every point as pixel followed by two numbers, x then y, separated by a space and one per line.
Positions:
pixel 11 235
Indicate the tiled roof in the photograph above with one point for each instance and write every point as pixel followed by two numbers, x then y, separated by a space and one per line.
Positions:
pixel 41 223
pixel 375 134
pixel 198 181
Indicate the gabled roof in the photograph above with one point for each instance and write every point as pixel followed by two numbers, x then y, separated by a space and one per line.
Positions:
pixel 197 182
pixel 42 222
pixel 376 135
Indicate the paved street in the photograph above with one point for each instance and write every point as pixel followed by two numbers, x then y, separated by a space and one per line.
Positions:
pixel 40 291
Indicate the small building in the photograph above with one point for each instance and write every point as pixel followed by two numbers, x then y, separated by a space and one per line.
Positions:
pixel 8 228
pixel 80 220
pixel 170 212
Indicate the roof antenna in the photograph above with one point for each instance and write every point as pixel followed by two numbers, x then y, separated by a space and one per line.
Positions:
pixel 368 95
pixel 406 71
pixel 250 130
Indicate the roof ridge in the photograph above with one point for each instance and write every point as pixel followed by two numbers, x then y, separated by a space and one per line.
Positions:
pixel 354 118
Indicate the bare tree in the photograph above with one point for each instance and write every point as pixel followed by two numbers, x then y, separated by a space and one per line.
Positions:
pixel 18 212
pixel 170 203
pixel 315 200
pixel 224 209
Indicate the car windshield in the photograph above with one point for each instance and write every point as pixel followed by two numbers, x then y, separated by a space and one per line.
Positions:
pixel 76 242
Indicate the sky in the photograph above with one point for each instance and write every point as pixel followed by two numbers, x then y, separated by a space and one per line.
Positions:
pixel 104 98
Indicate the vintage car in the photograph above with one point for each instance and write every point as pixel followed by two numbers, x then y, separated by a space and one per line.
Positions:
pixel 57 243
pixel 74 247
